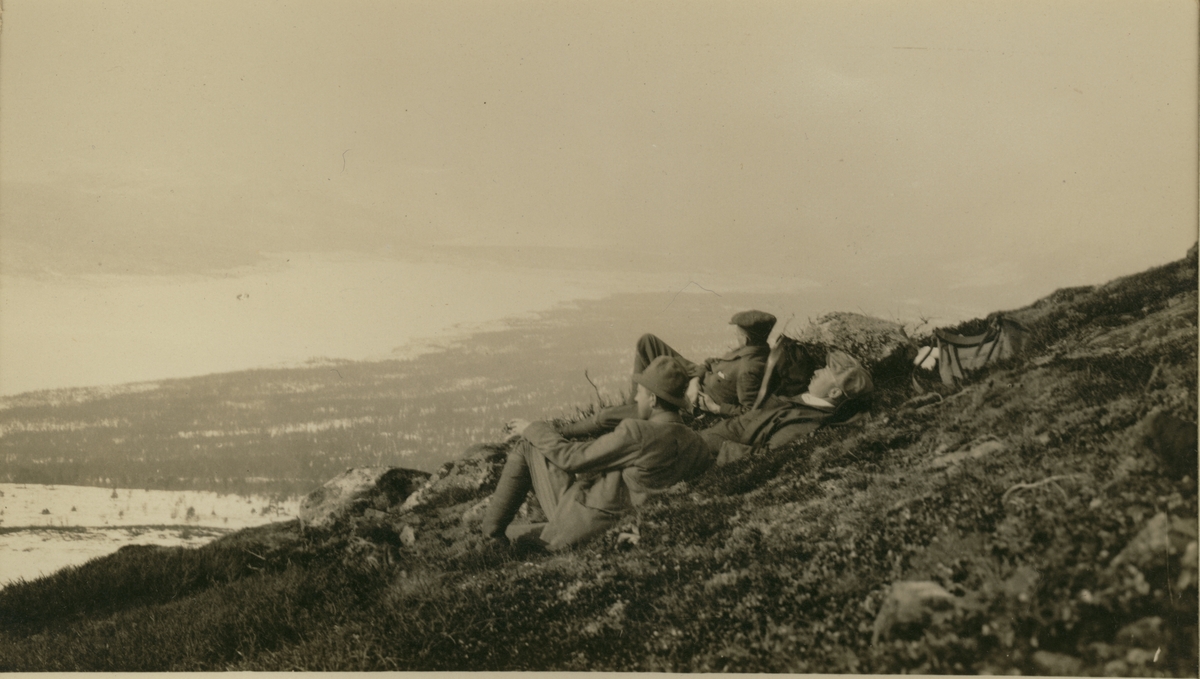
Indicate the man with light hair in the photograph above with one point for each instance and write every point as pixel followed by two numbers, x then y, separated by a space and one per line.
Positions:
pixel 781 420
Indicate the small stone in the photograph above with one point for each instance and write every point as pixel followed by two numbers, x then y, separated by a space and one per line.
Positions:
pixel 909 607
pixel 1140 656
pixel 1057 664
pixel 1187 567
pixel 1145 633
pixel 1101 651
pixel 1116 668
pixel 475 513
pixel 408 536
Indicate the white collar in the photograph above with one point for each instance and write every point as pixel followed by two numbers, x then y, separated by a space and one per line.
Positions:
pixel 816 401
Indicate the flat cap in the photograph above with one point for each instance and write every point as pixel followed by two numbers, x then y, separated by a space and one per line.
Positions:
pixel 754 321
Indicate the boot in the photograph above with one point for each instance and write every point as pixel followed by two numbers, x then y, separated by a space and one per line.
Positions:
pixel 511 489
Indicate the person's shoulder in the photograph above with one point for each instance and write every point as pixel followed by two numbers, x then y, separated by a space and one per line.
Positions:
pixel 799 406
pixel 750 352
pixel 690 440
pixel 657 428
pixel 635 429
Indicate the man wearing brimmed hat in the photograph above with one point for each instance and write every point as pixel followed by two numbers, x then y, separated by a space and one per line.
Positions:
pixel 780 420
pixel 583 487
pixel 727 385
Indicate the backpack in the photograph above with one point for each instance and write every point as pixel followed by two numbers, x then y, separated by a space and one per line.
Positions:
pixel 790 366
pixel 959 354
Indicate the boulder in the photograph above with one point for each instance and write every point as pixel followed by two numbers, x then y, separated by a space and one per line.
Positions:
pixel 1162 537
pixel 468 478
pixel 883 347
pixel 910 607
pixel 408 536
pixel 356 490
pixel 1145 633
pixel 1172 440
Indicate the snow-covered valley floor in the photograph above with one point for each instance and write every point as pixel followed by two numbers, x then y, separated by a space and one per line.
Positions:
pixel 46 528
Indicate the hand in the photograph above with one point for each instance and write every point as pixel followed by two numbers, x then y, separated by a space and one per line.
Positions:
pixel 693 391
pixel 707 403
pixel 515 428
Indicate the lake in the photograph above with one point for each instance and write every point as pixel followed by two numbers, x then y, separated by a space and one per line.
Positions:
pixel 46 528
pixel 111 329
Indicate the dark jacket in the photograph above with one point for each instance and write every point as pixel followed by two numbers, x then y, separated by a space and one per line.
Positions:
pixel 733 379
pixel 776 422
pixel 636 459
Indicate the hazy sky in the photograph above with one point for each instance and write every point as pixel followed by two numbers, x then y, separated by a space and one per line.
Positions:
pixel 981 153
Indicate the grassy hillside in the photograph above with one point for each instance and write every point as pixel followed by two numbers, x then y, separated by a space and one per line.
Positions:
pixel 1054 497
pixel 289 430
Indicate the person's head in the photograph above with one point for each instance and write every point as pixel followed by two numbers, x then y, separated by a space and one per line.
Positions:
pixel 663 385
pixel 755 326
pixel 841 379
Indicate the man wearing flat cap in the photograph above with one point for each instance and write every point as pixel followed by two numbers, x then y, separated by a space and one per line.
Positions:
pixel 727 385
pixel 585 486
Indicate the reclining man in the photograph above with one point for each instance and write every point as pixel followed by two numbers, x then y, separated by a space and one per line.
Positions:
pixel 780 420
pixel 583 487
pixel 726 386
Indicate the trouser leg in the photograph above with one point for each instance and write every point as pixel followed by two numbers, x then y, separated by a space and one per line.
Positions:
pixel 514 484
pixel 732 429
pixel 570 522
pixel 785 435
pixel 549 483
pixel 573 522
pixel 727 440
pixel 604 421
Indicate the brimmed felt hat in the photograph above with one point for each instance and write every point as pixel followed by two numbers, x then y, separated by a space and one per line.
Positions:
pixel 666 379
pixel 754 322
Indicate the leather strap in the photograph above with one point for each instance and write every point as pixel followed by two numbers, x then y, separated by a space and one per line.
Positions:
pixel 772 361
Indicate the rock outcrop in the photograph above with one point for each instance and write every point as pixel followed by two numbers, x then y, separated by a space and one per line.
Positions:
pixel 1163 538
pixel 475 473
pixel 883 347
pixel 357 490
pixel 1172 440
pixel 909 607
